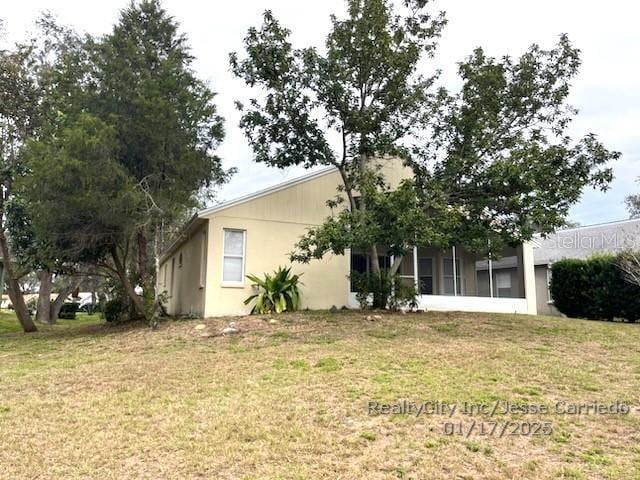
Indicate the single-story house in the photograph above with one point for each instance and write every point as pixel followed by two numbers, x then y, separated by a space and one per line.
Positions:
pixel 204 271
pixel 580 242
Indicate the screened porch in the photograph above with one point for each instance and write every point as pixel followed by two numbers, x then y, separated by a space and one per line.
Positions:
pixel 454 279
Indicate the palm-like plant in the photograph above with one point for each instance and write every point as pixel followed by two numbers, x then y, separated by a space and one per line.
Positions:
pixel 276 293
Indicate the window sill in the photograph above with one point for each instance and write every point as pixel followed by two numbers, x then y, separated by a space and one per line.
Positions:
pixel 232 284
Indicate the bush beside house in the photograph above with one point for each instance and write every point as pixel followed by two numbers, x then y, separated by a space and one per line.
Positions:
pixel 595 288
pixel 276 292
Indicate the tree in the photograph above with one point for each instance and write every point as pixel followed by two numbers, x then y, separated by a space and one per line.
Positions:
pixel 55 61
pixel 492 163
pixel 629 263
pixel 165 121
pixel 34 253
pixel 500 152
pixel 130 146
pixel 365 89
pixel 98 205
pixel 18 119
pixel 633 205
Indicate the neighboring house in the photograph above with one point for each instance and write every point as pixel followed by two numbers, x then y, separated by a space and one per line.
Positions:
pixel 579 242
pixel 204 271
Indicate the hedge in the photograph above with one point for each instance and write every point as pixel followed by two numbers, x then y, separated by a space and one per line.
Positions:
pixel 68 310
pixel 594 288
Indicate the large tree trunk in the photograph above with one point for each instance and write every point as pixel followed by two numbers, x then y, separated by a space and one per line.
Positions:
pixel 43 311
pixel 148 290
pixel 129 289
pixel 57 304
pixel 15 293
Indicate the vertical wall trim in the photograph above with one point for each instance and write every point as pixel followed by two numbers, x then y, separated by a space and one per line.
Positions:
pixel 529 278
pixel 455 273
pixel 416 279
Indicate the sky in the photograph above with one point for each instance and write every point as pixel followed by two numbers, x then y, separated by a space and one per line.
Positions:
pixel 606 91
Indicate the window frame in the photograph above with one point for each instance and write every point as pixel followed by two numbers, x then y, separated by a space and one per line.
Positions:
pixel 459 278
pixel 432 276
pixel 548 275
pixel 497 286
pixel 233 283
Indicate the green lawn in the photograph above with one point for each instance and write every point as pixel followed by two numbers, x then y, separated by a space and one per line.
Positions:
pixel 9 324
pixel 289 399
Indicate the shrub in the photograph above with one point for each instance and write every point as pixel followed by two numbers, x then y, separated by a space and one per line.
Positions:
pixel 381 291
pixel 68 310
pixel 595 288
pixel 404 294
pixel 276 293
pixel 371 290
pixel 116 310
pixel 90 308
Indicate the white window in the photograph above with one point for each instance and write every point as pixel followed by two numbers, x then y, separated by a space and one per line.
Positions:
pixel 233 258
pixel 503 284
pixel 447 276
pixel 549 299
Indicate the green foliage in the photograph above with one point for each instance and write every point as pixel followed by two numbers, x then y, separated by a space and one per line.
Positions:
pixel 595 288
pixel 90 308
pixel 383 291
pixel 68 311
pixel 96 203
pixel 633 204
pixel 165 119
pixel 277 292
pixel 125 146
pixel 372 290
pixel 493 162
pixel 502 158
pixel 117 310
pixel 367 90
pixel 403 295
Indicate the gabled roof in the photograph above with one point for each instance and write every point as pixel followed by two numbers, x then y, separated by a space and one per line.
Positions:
pixel 266 191
pixel 199 217
pixel 582 242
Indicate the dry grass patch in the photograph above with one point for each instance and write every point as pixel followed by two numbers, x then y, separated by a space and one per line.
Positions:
pixel 288 399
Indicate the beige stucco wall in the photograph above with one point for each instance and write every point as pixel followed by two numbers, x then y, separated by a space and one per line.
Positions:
pixel 185 290
pixel 273 224
pixel 267 246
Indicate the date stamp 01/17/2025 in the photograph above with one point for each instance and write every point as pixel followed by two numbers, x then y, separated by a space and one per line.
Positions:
pixel 492 424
